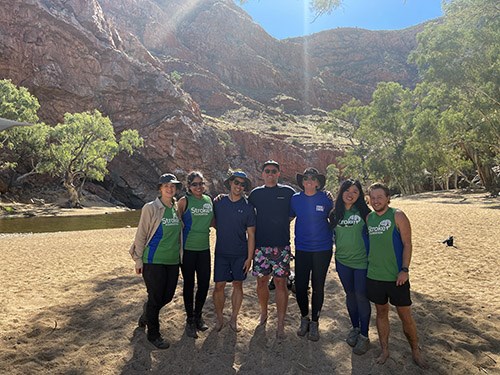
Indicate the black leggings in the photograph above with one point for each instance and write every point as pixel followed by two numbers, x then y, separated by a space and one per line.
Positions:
pixel 311 266
pixel 195 262
pixel 161 281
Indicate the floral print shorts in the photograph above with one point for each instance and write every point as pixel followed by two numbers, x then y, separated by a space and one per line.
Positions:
pixel 274 261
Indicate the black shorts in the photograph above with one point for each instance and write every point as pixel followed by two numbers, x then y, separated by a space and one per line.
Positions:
pixel 229 268
pixel 380 292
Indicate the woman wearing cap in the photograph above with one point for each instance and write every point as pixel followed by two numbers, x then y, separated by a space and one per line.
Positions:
pixel 348 220
pixel 197 213
pixel 157 253
pixel 313 247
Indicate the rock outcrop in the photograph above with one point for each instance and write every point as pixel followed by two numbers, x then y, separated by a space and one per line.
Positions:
pixel 157 65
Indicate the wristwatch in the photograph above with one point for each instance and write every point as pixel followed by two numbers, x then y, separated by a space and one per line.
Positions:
pixel 405 269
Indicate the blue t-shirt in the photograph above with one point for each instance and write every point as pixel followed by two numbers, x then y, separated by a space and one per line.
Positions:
pixel 273 208
pixel 312 230
pixel 232 220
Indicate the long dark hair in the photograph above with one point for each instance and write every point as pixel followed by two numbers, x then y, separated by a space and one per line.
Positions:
pixel 190 178
pixel 338 211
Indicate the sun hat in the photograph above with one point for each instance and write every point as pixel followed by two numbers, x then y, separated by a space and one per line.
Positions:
pixel 169 178
pixel 271 162
pixel 311 172
pixel 240 174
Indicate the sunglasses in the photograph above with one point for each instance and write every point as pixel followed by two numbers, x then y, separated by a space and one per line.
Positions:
pixel 196 184
pixel 270 171
pixel 239 183
pixel 312 178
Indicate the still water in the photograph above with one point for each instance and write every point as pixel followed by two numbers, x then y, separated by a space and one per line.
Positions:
pixel 69 223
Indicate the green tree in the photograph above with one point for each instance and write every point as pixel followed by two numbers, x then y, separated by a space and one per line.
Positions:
pixel 24 146
pixel 461 56
pixel 344 124
pixel 81 148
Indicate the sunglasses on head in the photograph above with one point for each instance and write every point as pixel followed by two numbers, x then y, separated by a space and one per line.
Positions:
pixel 196 184
pixel 312 178
pixel 239 183
pixel 270 171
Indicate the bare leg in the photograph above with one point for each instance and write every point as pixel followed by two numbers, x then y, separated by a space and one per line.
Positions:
pixel 219 300
pixel 263 294
pixel 410 330
pixel 236 300
pixel 281 294
pixel 383 329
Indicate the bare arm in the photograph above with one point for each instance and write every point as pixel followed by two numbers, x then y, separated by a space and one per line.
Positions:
pixel 250 247
pixel 404 227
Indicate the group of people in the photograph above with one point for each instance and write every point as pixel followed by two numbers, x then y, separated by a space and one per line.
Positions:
pixel 372 253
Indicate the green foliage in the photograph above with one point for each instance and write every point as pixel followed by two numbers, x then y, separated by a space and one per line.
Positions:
pixel 332 178
pixel 176 77
pixel 81 148
pixel 448 124
pixel 17 103
pixel 26 144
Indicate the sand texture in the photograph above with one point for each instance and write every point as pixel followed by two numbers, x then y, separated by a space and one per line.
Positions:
pixel 69 304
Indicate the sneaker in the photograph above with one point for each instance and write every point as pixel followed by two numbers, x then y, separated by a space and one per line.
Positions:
pixel 313 334
pixel 362 345
pixel 160 343
pixel 142 323
pixel 200 324
pixel 352 338
pixel 191 329
pixel 304 326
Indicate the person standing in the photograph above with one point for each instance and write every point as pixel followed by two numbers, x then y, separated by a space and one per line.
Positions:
pixel 197 213
pixel 272 241
pixel 348 220
pixel 313 247
pixel 235 223
pixel 389 259
pixel 157 251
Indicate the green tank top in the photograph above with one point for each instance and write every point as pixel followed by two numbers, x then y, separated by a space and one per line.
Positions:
pixel 350 249
pixel 386 247
pixel 197 219
pixel 164 247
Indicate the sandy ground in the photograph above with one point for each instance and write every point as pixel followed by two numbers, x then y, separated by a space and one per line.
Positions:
pixel 69 304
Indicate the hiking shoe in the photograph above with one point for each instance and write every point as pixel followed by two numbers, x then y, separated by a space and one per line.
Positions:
pixel 160 343
pixel 191 329
pixel 304 326
pixel 142 323
pixel 352 338
pixel 313 334
pixel 200 324
pixel 362 345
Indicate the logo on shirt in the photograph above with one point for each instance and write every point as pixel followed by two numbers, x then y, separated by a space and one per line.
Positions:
pixel 383 227
pixel 170 221
pixel 320 208
pixel 205 210
pixel 351 220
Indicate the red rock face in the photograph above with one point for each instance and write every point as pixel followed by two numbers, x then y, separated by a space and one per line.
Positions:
pixel 119 55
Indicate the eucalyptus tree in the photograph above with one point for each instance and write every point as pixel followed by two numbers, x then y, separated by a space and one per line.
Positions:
pixel 461 55
pixel 81 147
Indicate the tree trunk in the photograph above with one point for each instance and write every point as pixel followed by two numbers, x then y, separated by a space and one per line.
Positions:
pixel 74 199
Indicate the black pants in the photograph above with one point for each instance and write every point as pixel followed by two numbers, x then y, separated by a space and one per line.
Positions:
pixel 195 263
pixel 161 281
pixel 311 266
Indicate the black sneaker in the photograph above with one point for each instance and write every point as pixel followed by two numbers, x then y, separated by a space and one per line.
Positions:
pixel 200 324
pixel 191 329
pixel 160 343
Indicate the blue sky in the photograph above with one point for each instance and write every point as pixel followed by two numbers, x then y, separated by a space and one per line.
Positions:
pixel 291 18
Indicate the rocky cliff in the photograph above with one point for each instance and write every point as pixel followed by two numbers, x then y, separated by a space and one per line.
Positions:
pixel 151 65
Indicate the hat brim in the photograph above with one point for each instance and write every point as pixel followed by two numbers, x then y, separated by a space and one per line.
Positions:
pixel 248 184
pixel 321 178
